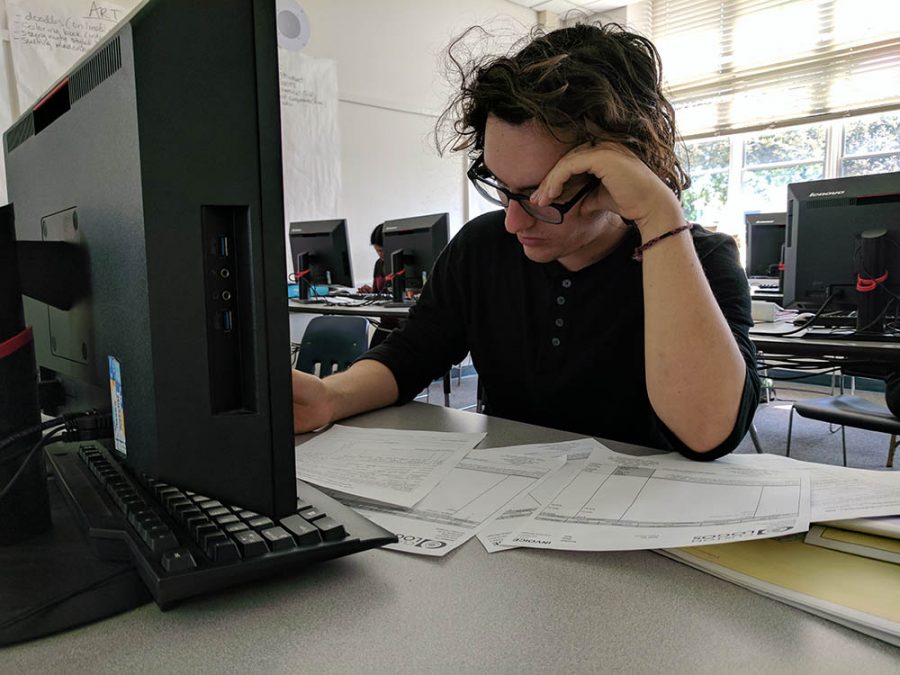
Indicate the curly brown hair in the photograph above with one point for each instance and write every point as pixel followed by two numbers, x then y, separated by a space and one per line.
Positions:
pixel 585 84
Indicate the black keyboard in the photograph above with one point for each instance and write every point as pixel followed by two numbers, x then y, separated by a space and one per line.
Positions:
pixel 185 544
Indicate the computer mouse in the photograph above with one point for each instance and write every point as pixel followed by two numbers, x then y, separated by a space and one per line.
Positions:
pixel 803 318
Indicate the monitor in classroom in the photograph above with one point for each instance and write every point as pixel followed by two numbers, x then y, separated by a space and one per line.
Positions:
pixel 843 236
pixel 326 250
pixel 765 239
pixel 421 240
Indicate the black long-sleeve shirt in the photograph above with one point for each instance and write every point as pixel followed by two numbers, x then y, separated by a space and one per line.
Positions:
pixel 557 348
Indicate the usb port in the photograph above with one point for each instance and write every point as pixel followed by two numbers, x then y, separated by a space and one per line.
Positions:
pixel 223 245
pixel 227 320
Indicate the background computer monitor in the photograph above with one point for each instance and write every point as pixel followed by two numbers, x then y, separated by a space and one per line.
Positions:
pixel 421 239
pixel 325 241
pixel 159 154
pixel 825 221
pixel 765 237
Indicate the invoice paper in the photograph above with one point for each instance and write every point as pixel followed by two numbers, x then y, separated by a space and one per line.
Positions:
pixel 481 485
pixel 384 465
pixel 837 492
pixel 622 502
pixel 517 512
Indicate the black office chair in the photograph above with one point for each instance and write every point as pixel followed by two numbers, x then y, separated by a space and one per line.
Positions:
pixel 331 343
pixel 848 411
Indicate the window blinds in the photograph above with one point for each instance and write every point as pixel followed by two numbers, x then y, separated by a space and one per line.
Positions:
pixel 742 65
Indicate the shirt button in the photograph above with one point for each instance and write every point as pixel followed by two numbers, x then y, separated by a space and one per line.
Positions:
pixel 567 283
pixel 559 323
pixel 560 300
pixel 555 342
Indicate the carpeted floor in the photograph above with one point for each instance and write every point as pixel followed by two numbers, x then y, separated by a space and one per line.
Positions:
pixel 812 441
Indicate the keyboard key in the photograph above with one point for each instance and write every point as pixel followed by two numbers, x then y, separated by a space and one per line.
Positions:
pixel 221 521
pixel 303 531
pixel 260 523
pixel 311 513
pixel 201 531
pixel 211 504
pixel 248 515
pixel 250 544
pixel 220 548
pixel 218 511
pixel 278 538
pixel 160 539
pixel 177 560
pixel 239 526
pixel 330 528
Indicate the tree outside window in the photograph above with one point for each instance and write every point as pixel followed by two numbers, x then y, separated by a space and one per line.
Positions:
pixel 707 164
pixel 871 145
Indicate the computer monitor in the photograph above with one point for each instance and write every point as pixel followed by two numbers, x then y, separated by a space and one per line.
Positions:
pixel 765 239
pixel 325 244
pixel 421 239
pixel 829 240
pixel 159 155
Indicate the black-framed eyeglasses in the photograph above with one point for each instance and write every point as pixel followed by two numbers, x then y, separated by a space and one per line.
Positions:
pixel 491 189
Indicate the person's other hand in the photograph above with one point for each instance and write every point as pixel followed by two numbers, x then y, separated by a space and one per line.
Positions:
pixel 365 288
pixel 313 406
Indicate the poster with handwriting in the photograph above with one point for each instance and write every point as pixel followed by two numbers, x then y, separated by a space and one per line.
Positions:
pixel 48 36
pixel 309 135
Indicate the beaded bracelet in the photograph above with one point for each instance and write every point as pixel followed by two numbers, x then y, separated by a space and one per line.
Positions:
pixel 639 251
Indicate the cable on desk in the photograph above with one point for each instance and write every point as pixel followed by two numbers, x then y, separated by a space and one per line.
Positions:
pixel 83 426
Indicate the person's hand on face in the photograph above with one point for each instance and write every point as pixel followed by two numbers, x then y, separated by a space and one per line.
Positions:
pixel 628 187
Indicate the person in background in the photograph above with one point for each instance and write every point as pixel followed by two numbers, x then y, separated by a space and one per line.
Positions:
pixel 587 302
pixel 388 323
pixel 377 241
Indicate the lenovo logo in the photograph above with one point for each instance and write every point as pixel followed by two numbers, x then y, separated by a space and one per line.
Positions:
pixel 827 194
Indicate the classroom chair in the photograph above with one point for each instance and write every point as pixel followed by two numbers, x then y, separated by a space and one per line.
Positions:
pixel 848 411
pixel 331 343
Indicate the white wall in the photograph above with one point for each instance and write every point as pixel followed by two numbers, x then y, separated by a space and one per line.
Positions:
pixel 391 89
pixel 9 109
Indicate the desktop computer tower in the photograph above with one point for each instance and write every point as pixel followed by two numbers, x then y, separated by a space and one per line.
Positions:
pixel 159 155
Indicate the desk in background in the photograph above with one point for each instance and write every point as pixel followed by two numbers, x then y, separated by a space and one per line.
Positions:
pixel 522 610
pixel 883 354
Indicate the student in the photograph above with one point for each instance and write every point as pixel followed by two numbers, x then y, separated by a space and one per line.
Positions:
pixel 377 241
pixel 387 323
pixel 588 303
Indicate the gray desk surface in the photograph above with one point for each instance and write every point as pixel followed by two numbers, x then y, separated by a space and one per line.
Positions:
pixel 347 310
pixel 520 610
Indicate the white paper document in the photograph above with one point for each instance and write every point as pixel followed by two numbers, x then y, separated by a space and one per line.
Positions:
pixel 383 465
pixel 518 510
pixel 479 487
pixel 837 492
pixel 623 502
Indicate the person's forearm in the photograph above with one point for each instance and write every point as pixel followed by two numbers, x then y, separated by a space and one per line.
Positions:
pixel 695 371
pixel 364 386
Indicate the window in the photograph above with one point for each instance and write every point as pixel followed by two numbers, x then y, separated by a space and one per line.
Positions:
pixel 774 159
pixel 751 171
pixel 743 65
pixel 707 163
pixel 871 145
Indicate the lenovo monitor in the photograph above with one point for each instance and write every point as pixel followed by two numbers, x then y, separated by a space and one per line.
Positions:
pixel 841 234
pixel 324 243
pixel 765 239
pixel 418 241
